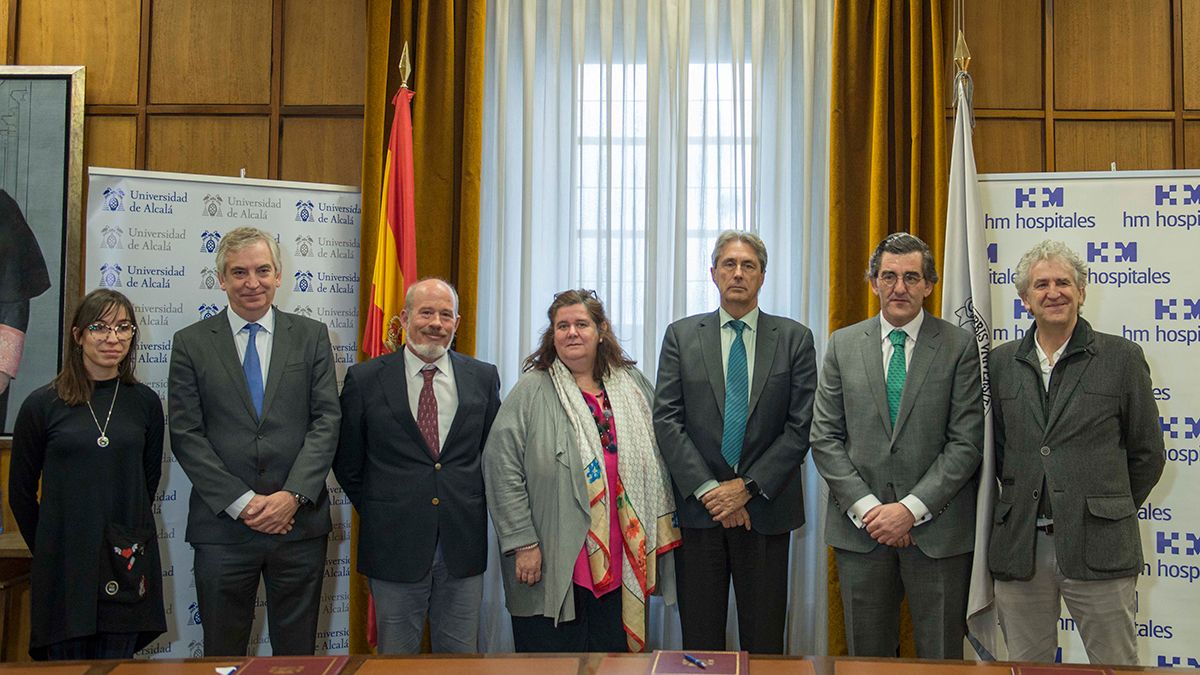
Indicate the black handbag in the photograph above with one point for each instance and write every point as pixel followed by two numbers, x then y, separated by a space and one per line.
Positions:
pixel 123 561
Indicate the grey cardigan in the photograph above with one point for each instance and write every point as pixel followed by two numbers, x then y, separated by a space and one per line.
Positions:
pixel 536 494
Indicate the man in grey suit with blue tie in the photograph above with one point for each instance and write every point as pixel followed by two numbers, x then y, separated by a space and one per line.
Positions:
pixel 254 423
pixel 732 414
pixel 897 434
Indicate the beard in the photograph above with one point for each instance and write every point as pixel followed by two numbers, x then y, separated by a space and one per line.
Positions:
pixel 428 350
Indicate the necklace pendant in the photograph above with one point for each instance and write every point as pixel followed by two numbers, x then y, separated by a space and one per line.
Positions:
pixel 102 441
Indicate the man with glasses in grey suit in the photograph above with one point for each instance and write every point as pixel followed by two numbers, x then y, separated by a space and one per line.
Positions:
pixel 897 434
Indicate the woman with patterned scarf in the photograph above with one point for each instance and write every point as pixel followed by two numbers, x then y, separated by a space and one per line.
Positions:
pixel 579 496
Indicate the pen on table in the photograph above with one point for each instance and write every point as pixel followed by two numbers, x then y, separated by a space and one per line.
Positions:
pixel 694 661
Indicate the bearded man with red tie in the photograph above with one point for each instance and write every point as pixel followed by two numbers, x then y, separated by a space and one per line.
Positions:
pixel 414 423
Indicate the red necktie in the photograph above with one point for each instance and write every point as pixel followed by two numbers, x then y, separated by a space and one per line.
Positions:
pixel 427 411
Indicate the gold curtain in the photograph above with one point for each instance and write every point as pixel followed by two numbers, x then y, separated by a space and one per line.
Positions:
pixel 888 165
pixel 446 43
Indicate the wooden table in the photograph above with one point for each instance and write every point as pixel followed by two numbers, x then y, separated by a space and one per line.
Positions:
pixel 560 664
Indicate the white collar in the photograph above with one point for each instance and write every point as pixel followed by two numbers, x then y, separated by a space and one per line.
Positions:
pixel 912 329
pixel 237 323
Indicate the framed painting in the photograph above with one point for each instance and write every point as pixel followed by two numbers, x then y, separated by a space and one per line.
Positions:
pixel 41 185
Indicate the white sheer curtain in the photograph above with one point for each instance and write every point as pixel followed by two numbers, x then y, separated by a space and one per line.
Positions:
pixel 620 136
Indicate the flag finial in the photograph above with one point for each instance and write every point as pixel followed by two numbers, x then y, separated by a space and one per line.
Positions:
pixel 406 65
pixel 962 55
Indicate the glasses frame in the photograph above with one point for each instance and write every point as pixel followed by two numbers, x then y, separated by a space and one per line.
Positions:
pixel 890 279
pixel 99 331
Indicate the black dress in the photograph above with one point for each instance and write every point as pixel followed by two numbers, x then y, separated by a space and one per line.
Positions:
pixel 92 498
pixel 23 276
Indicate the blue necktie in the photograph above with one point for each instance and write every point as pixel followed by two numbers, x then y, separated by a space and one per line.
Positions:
pixel 896 373
pixel 253 369
pixel 737 397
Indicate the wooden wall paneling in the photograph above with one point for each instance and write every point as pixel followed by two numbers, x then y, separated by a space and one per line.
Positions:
pixel 1005 39
pixel 1008 145
pixel 1191 144
pixel 1091 145
pixel 218 145
pixel 210 51
pixel 8 31
pixel 1190 56
pixel 1112 55
pixel 322 150
pixel 324 60
pixel 110 140
pixel 101 35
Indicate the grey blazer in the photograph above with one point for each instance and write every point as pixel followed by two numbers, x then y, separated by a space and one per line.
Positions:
pixel 536 494
pixel 934 450
pixel 689 410
pixel 225 448
pixel 1099 447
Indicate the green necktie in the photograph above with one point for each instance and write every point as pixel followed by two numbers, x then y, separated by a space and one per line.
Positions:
pixel 896 372
pixel 737 397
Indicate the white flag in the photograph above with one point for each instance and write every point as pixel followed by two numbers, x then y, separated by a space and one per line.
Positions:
pixel 966 300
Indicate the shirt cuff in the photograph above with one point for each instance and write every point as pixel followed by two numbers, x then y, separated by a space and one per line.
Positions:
pixel 860 508
pixel 705 487
pixel 235 509
pixel 919 510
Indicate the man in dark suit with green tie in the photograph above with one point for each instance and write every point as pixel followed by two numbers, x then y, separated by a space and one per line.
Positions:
pixel 732 414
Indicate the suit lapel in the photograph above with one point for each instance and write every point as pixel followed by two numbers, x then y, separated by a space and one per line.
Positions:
pixel 226 351
pixel 1029 373
pixel 393 382
pixel 281 348
pixel 764 357
pixel 929 341
pixel 872 356
pixel 1070 379
pixel 710 349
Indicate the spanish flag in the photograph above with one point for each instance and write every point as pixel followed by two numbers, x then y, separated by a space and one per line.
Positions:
pixel 396 254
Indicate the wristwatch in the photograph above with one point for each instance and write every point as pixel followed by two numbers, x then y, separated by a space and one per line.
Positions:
pixel 752 487
pixel 301 500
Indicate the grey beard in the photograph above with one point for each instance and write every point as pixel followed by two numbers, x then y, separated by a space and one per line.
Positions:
pixel 428 350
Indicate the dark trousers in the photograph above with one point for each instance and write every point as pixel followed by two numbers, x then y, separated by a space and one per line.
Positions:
pixel 596 628
pixel 758 565
pixel 873 585
pixel 98 646
pixel 227 586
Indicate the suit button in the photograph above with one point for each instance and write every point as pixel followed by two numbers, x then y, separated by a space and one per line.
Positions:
pixel 437 466
pixel 1036 494
pixel 260 437
pixel 889 485
pixel 1045 451
pixel 436 501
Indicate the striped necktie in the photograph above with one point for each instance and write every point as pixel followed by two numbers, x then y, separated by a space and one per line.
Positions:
pixel 737 397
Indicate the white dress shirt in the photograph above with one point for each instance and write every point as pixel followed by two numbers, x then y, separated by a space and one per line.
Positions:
pixel 444 389
pixel 911 330
pixel 262 344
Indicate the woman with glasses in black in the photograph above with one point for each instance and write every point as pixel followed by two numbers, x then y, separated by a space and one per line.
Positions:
pixel 94 437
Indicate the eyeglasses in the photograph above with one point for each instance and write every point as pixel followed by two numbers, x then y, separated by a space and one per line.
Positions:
pixel 100 330
pixel 889 279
